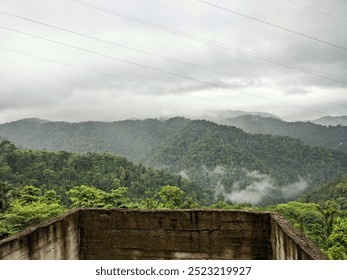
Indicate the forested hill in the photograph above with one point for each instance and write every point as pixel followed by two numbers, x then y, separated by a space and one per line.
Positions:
pixel 62 171
pixel 334 192
pixel 134 139
pixel 334 137
pixel 247 168
pixel 236 165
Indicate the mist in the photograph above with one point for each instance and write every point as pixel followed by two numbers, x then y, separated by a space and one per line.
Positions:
pixel 264 187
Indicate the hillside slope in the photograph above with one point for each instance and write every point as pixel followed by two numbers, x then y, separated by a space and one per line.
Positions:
pixel 63 170
pixel 244 167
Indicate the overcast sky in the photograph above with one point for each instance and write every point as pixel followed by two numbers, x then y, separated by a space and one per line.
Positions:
pixel 203 56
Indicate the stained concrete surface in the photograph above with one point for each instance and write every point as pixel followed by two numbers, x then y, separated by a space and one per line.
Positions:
pixel 98 234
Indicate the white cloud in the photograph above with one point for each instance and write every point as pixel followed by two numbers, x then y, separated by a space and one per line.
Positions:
pixel 262 187
pixel 43 88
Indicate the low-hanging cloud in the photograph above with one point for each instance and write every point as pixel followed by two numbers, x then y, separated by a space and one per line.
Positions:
pixel 261 188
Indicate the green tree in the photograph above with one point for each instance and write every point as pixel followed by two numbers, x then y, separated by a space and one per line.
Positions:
pixel 337 241
pixel 7 147
pixel 171 197
pixel 51 197
pixel 118 198
pixel 190 203
pixel 5 195
pixel 29 209
pixel 307 217
pixel 29 194
pixel 85 196
pixel 19 216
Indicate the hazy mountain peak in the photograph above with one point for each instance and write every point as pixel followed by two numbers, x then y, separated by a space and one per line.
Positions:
pixel 333 121
pixel 31 120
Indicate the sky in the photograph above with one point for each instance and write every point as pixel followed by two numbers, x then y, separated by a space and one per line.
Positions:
pixel 112 60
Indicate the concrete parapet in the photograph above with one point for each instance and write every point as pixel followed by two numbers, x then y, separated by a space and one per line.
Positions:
pixel 161 234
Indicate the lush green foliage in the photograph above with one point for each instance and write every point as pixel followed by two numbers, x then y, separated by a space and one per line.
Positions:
pixel 337 241
pixel 171 197
pixel 29 208
pixel 326 226
pixel 62 171
pixel 307 217
pixel 85 196
pixel 335 190
pixel 332 200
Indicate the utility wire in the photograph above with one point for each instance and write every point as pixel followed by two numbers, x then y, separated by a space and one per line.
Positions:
pixel 119 78
pixel 161 71
pixel 211 69
pixel 273 25
pixel 321 97
pixel 217 44
pixel 317 11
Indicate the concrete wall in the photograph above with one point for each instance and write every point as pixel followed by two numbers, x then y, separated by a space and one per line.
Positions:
pixel 107 234
pixel 55 240
pixel 288 244
pixel 177 234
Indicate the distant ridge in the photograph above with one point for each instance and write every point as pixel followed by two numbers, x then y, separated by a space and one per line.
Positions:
pixel 219 116
pixel 334 137
pixel 333 121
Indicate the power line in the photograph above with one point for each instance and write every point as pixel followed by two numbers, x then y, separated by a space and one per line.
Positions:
pixel 336 102
pixel 317 11
pixel 211 69
pixel 217 44
pixel 161 71
pixel 273 25
pixel 119 77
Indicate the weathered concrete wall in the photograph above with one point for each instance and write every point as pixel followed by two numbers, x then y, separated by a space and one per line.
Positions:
pixel 288 244
pixel 55 240
pixel 108 234
pixel 177 234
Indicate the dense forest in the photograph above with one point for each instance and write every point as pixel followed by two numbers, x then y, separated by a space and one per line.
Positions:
pixel 236 163
pixel 38 185
pixel 223 160
pixel 62 170
pixel 334 137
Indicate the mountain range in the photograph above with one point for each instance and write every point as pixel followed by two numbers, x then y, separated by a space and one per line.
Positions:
pixel 236 165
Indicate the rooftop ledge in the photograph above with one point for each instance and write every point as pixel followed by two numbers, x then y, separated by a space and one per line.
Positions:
pixel 108 234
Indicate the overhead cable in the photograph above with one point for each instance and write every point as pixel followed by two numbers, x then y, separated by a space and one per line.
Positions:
pixel 273 25
pixel 159 70
pixel 206 68
pixel 317 11
pixel 217 44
